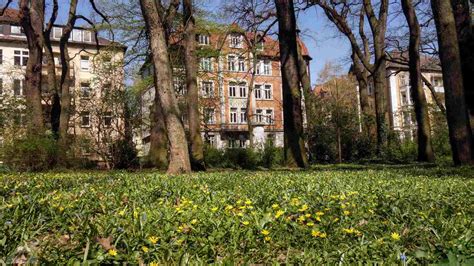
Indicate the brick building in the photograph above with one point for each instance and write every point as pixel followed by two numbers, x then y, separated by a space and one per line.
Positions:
pixel 225 62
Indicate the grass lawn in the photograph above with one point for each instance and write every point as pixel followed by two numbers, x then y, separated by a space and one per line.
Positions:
pixel 324 216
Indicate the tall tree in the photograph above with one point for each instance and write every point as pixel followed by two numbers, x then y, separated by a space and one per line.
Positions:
pixel 294 150
pixel 155 16
pixel 190 62
pixel 465 32
pixel 32 21
pixel 337 12
pixel 460 134
pixel 425 149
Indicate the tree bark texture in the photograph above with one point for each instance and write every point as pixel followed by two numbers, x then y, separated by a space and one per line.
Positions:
pixel 158 154
pixel 190 61
pixel 179 153
pixel 460 134
pixel 32 20
pixel 425 149
pixel 294 150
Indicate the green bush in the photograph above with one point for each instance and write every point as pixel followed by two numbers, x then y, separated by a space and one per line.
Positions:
pixel 30 153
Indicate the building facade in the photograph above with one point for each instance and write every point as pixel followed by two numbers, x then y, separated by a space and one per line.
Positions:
pixel 400 103
pixel 96 74
pixel 226 63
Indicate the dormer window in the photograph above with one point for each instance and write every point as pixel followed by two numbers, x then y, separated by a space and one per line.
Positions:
pixel 16 30
pixel 236 40
pixel 76 35
pixel 57 33
pixel 203 39
pixel 87 36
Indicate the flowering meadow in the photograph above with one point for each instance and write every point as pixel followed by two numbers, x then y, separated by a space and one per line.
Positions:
pixel 323 216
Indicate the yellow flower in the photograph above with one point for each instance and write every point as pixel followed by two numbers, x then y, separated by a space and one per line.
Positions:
pixel 229 207
pixel 275 206
pixel 303 208
pixel 323 235
pixel 265 232
pixel 145 249
pixel 335 220
pixel 319 213
pixel 318 219
pixel 315 233
pixel 245 222
pixel 112 252
pixel 248 202
pixel 307 215
pixel 347 213
pixel 349 231
pixel 395 236
pixel 194 221
pixel 153 263
pixel 214 209
pixel 267 238
pixel 242 207
pixel 301 218
pixel 153 239
pixel 250 207
pixel 240 214
pixel 279 213
pixel 122 213
pixel 310 224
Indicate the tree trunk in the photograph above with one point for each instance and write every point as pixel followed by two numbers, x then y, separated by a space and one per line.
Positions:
pixel 294 150
pixel 460 134
pixel 465 32
pixel 425 149
pixel 249 110
pixel 158 154
pixel 362 80
pixel 32 20
pixel 196 143
pixel 179 155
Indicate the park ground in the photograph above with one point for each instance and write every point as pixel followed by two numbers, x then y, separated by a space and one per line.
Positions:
pixel 326 215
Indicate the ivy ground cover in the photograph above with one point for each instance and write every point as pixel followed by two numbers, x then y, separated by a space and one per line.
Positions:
pixel 323 216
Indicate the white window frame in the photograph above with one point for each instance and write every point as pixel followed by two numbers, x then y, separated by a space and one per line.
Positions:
pixel 105 116
pixel 206 64
pixel 269 117
pixel 243 115
pixel 233 115
pixel 85 63
pixel 267 93
pixel 88 34
pixel 259 115
pixel 243 90
pixel 209 116
pixel 211 140
pixel 258 91
pixel 16 30
pixel 203 39
pixel 207 88
pixel 55 30
pixel 241 65
pixel 236 40
pixel 232 63
pixel 21 88
pixel 266 67
pixel 233 89
pixel 85 87
pixel 23 56
pixel 76 33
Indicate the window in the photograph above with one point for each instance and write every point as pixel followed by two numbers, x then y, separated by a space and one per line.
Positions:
pixel 236 41
pixel 259 116
pixel 211 140
pixel 87 36
pixel 243 115
pixel 231 63
pixel 57 32
pixel 437 81
pixel 178 84
pixel 242 143
pixel 1 56
pixel 206 64
pixel 404 98
pixel 107 119
pixel 207 88
pixel 85 65
pixel 18 87
pixel 269 116
pixel 85 119
pixel 85 90
pixel 241 64
pixel 232 143
pixel 258 91
pixel 209 116
pixel 76 35
pixel 243 90
pixel 267 67
pixel 232 89
pixel 268 92
pixel 203 39
pixel 20 58
pixel 233 115
pixel 16 30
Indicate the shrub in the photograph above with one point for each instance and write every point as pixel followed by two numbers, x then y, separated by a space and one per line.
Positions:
pixel 30 153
